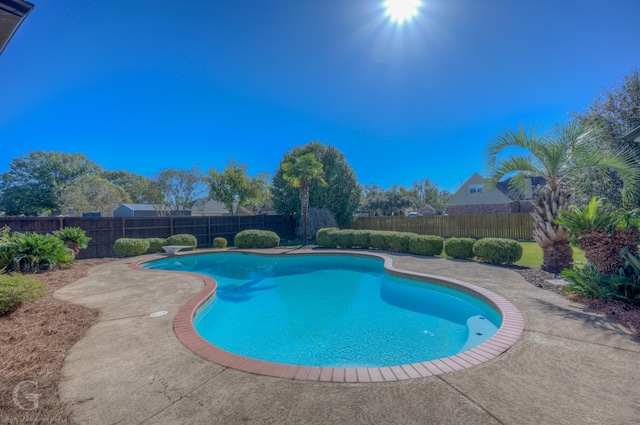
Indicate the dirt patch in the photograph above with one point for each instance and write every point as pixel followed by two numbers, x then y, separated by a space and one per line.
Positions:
pixel 34 340
pixel 621 312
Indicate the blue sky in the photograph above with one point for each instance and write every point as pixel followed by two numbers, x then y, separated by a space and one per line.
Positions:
pixel 145 85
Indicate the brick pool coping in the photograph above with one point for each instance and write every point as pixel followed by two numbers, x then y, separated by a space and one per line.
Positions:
pixel 507 335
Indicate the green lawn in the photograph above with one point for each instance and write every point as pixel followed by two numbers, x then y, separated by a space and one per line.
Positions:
pixel 532 255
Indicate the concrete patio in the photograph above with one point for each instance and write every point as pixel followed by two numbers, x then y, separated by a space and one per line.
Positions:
pixel 570 366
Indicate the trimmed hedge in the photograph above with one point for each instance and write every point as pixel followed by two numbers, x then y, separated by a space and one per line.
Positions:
pixel 425 245
pixel 390 241
pixel 460 248
pixel 360 239
pixel 155 244
pixel 327 237
pixel 219 243
pixel 129 247
pixel 498 250
pixel 183 239
pixel 256 239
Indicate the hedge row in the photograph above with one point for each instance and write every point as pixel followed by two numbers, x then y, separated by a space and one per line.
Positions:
pixel 490 250
pixel 129 247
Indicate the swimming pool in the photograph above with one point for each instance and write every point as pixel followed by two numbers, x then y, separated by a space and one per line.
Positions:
pixel 336 311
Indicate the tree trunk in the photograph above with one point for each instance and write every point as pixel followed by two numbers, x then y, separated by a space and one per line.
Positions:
pixel 603 250
pixel 304 207
pixel 552 238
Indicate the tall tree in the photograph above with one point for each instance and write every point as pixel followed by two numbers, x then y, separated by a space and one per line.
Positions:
pixel 35 181
pixel 235 189
pixel 92 193
pixel 141 189
pixel 300 172
pixel 342 194
pixel 180 188
pixel 617 111
pixel 556 155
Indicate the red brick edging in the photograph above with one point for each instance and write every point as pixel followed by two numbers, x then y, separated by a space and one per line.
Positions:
pixel 507 335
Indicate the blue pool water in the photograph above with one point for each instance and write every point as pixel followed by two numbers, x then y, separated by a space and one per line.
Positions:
pixel 331 311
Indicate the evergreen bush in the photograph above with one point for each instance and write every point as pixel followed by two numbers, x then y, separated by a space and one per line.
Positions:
pixel 220 243
pixel 460 248
pixel 497 250
pixel 327 237
pixel 425 245
pixel 256 239
pixel 129 247
pixel 182 239
pixel 155 245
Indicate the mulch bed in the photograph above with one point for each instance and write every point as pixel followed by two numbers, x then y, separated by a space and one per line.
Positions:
pixel 623 313
pixel 34 340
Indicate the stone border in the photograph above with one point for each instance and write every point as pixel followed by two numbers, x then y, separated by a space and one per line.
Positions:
pixel 509 332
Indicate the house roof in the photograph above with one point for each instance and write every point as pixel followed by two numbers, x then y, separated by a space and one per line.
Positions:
pixel 501 194
pixel 210 206
pixel 12 14
pixel 633 135
pixel 139 207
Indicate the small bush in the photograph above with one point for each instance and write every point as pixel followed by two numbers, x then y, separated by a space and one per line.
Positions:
pixel 425 245
pixel 497 250
pixel 344 238
pixel 15 289
pixel 155 245
pixel 35 251
pixel 182 239
pixel 220 243
pixel 74 237
pixel 327 237
pixel 461 248
pixel 129 247
pixel 256 239
pixel 360 238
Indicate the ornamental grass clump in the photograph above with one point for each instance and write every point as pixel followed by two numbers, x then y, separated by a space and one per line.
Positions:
pixel 15 289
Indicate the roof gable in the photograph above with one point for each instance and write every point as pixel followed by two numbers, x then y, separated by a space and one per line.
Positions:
pixel 464 196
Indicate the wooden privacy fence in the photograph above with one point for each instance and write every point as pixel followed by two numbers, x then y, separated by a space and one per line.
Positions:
pixel 513 226
pixel 104 231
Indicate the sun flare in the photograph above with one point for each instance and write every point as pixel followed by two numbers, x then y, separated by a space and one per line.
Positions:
pixel 401 10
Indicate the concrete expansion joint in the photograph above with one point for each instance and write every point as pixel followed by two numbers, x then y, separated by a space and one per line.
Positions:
pixel 471 400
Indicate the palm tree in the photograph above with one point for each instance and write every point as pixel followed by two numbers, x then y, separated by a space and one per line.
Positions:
pixel 300 171
pixel 556 156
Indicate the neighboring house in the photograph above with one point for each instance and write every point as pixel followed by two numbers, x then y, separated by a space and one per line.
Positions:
pixel 428 210
pixel 147 210
pixel 212 207
pixel 12 14
pixel 474 197
pixel 632 136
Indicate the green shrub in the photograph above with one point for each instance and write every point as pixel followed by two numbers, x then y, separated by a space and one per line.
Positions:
pixel 360 238
pixel 182 239
pixel 497 250
pixel 74 237
pixel 425 245
pixel 587 282
pixel 129 247
pixel 461 248
pixel 256 239
pixel 219 243
pixel 155 245
pixel 35 251
pixel 344 238
pixel 327 237
pixel 15 289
